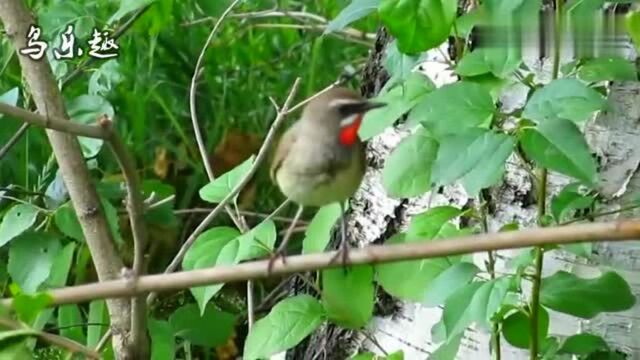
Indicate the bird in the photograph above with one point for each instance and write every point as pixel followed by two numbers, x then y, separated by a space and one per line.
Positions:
pixel 320 159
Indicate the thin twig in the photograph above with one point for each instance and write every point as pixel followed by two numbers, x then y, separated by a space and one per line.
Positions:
pixel 135 207
pixel 373 254
pixel 52 339
pixel 53 123
pixel 241 212
pixel 13 140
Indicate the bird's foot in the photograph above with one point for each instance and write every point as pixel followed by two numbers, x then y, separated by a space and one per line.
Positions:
pixel 342 254
pixel 279 253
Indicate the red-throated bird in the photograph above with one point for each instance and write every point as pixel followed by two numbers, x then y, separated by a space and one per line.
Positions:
pixel 320 160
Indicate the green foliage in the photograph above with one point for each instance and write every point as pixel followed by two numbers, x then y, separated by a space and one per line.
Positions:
pixel 516 328
pixel 162 341
pixel 288 323
pixel 318 233
pixel 17 220
pixel 31 258
pixel 209 328
pixel 222 186
pixel 356 10
pixel 586 298
pixel 348 296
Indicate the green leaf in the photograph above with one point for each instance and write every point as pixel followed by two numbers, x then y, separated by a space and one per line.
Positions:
pixel 570 198
pixel 355 11
pixel 559 145
pixel 105 78
pixel 256 242
pixel 364 356
pixel 57 16
pixel 407 171
pixel 567 99
pixel 31 258
pixel 477 155
pixel 16 221
pixel 70 322
pixel 430 224
pixel 16 350
pixel 288 323
pixel 348 296
pixel 608 69
pixel 127 6
pixel 632 24
pixel 28 307
pixel 398 65
pixel 399 100
pixel 206 252
pixel 418 25
pixel 67 222
pixel 318 233
pixel 488 299
pixel 586 298
pixel 516 328
pixel 457 314
pixel 213 328
pixel 447 350
pixel 448 282
pixel 86 109
pixel 97 314
pixel 163 346
pixel 473 63
pixel 583 344
pixel 398 355
pixel 61 267
pixel 111 213
pixel 409 279
pixel 222 186
pixel 453 108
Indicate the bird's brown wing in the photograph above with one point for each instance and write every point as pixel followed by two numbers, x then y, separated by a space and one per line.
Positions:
pixel 283 148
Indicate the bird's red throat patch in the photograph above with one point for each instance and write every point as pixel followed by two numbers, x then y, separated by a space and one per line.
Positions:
pixel 349 133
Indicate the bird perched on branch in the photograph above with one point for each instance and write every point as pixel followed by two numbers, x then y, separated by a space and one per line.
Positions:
pixel 321 160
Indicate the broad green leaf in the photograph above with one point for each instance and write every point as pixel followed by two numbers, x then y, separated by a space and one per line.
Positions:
pixel 71 323
pixel 457 314
pixel 418 25
pixel 608 69
pixel 318 233
pixel 567 99
pixel 16 350
pixel 28 307
pixel 569 199
pixel 67 222
pixel 429 224
pixel 16 221
pixel 111 213
pixel 473 64
pixel 207 251
pixel 61 267
pixel 447 350
pixel 398 355
pixel 213 328
pixel 55 18
pixel 632 24
pixel 453 108
pixel 163 346
pixel 97 314
pixel 222 186
pixel 127 6
pixel 105 78
pixel 448 282
pixel 256 242
pixel 407 171
pixel 398 65
pixel 583 344
pixel 288 323
pixel 516 328
pixel 488 299
pixel 86 109
pixel 31 258
pixel 476 155
pixel 348 296
pixel 586 298
pixel 559 145
pixel 364 356
pixel 356 10
pixel 409 279
pixel 400 99
pixel 494 85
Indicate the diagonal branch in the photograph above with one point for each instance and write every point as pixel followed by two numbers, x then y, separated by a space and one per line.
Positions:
pixel 373 254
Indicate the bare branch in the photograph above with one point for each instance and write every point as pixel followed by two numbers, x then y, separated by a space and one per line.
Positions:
pixel 52 339
pixel 13 140
pixel 52 122
pixel 373 254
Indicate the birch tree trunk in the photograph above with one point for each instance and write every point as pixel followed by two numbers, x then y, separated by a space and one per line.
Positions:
pixel 613 135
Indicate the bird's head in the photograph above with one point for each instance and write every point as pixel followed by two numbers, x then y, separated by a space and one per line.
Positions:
pixel 340 111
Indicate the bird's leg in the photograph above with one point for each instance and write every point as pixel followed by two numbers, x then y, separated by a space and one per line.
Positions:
pixel 343 250
pixel 280 252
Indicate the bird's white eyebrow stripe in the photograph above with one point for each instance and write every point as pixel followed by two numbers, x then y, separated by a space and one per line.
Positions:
pixel 348 120
pixel 340 102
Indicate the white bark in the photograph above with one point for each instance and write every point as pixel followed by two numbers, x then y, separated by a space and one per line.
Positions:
pixel 614 136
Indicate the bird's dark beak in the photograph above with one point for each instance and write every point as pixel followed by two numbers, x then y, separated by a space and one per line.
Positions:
pixel 370 105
